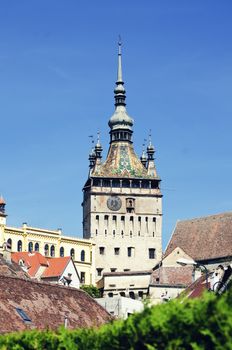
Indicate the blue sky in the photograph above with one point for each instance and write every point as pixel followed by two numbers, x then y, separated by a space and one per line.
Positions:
pixel 57 72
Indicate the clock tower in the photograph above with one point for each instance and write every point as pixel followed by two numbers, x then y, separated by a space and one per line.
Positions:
pixel 122 205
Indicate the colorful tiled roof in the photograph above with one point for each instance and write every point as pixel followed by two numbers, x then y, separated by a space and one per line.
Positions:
pixel 121 162
pixel 203 238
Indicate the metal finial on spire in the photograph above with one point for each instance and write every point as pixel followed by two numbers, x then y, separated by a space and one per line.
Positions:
pixel 150 137
pixel 119 79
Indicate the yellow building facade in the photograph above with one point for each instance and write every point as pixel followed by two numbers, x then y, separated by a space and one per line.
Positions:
pixel 50 243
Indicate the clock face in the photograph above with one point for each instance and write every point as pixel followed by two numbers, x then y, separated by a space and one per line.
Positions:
pixel 114 203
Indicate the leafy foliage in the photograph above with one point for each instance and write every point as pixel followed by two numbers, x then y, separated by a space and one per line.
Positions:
pixel 92 291
pixel 200 324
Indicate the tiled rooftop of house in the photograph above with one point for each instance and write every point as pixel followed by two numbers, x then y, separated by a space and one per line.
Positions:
pixel 54 267
pixel 203 238
pixel 10 268
pixel 46 306
pixel 172 276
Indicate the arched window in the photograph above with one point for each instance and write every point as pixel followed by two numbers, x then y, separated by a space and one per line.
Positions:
pixel 132 295
pixel 30 247
pixel 37 247
pixel 46 250
pixel 72 253
pixel 61 251
pixel 82 255
pixel 9 243
pixel 52 251
pixel 19 246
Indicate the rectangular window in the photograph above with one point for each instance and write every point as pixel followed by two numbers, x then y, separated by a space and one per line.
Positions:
pixel 151 253
pixel 116 251
pixel 23 315
pixel 130 251
pixel 114 217
pixel 123 218
pixel 102 250
pixel 83 277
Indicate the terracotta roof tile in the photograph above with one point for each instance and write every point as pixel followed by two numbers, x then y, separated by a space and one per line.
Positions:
pixel 203 238
pixel 165 275
pixel 56 266
pixel 46 305
pixel 32 261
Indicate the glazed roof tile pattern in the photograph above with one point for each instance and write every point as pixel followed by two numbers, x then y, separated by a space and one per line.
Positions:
pixel 47 306
pixel 172 276
pixel 203 238
pixel 121 162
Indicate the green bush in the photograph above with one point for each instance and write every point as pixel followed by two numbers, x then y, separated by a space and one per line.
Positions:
pixel 205 323
pixel 92 291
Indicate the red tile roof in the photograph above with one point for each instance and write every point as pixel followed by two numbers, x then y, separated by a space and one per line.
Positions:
pixel 46 305
pixel 197 288
pixel 172 276
pixel 56 266
pixel 203 238
pixel 32 261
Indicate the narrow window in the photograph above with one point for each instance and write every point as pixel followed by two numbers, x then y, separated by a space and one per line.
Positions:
pixel 146 219
pixel 151 253
pixel 61 251
pixel 101 250
pixel 113 232
pixel 106 217
pixel 46 250
pixel 83 277
pixel 140 294
pixel 116 251
pixel 82 255
pixel 114 217
pixel 139 218
pixel 97 217
pixel 9 243
pixel 19 246
pixel 30 247
pixel 52 251
pixel 129 251
pixel 122 218
pixel 37 247
pixel 72 253
pixel 132 295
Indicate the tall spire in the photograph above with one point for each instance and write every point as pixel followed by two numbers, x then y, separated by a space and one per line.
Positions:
pixel 120 120
pixel 119 90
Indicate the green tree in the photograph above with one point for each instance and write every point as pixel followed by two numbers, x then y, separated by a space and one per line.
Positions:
pixel 92 291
